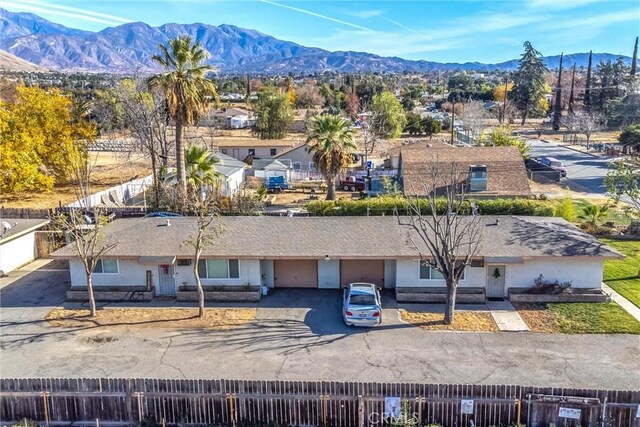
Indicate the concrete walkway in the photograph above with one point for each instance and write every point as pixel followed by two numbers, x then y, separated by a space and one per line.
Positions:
pixel 507 317
pixel 627 305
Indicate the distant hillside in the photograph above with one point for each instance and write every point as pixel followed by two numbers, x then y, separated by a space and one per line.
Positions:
pixel 13 63
pixel 129 47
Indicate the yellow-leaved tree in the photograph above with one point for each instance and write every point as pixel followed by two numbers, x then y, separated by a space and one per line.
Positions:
pixel 41 140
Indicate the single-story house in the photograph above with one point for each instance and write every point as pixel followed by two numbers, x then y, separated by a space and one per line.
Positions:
pixel 18 242
pixel 302 160
pixel 264 168
pixel 483 172
pixel 232 171
pixel 228 118
pixel 245 148
pixel 330 252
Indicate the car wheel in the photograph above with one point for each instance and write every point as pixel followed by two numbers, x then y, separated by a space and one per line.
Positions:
pixel 353 188
pixel 345 188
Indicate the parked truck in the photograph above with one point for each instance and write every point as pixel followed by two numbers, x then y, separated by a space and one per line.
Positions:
pixel 351 183
pixel 276 184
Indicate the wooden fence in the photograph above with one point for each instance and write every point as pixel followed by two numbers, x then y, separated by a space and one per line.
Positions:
pixel 236 403
pixel 29 213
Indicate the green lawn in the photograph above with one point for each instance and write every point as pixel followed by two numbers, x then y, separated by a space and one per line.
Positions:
pixel 594 318
pixel 622 275
pixel 614 214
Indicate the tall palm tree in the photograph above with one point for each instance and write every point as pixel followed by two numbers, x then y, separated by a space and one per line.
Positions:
pixel 186 88
pixel 200 166
pixel 331 140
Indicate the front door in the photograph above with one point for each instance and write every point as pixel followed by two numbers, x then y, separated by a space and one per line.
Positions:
pixel 495 281
pixel 166 280
pixel 236 153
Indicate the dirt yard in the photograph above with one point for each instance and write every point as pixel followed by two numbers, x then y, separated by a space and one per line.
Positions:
pixel 463 321
pixel 164 318
pixel 110 169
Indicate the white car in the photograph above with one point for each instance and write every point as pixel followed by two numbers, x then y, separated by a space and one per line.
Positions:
pixel 361 305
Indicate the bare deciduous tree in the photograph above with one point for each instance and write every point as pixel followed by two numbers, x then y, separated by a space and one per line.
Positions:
pixel 208 227
pixel 85 229
pixel 585 122
pixel 146 119
pixel 444 240
pixel 474 118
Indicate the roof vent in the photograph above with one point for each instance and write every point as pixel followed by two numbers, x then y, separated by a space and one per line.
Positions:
pixel 6 227
pixel 477 178
pixel 167 222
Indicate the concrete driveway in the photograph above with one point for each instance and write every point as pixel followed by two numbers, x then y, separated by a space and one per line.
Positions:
pixel 298 335
pixel 585 172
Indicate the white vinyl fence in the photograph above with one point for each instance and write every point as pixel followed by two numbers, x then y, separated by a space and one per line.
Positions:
pixel 115 196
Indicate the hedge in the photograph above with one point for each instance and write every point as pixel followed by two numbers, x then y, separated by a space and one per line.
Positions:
pixel 390 205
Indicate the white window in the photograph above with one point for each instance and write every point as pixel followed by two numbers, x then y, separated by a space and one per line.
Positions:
pixel 218 269
pixel 106 266
pixel 429 273
pixel 297 166
pixel 312 166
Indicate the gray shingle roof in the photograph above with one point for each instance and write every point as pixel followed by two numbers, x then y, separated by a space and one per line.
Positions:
pixel 506 173
pixel 344 237
pixel 19 227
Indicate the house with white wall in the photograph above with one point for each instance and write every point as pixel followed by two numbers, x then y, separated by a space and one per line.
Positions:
pixel 330 252
pixel 18 242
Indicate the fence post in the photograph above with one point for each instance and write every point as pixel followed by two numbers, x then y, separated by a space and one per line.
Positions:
pixel 138 396
pixel 420 400
pixel 528 410
pixel 324 398
pixel 518 410
pixel 231 398
pixel 604 412
pixel 45 400
pixel 360 411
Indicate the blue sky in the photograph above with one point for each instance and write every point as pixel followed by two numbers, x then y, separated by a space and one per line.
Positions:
pixel 454 30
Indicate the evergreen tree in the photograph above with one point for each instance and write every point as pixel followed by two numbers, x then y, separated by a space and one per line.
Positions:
pixel 571 95
pixel 634 59
pixel 557 107
pixel 529 81
pixel 587 89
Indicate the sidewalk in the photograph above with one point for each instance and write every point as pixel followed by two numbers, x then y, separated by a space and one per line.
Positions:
pixel 627 305
pixel 507 317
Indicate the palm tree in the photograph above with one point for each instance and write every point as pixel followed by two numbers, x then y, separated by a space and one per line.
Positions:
pixel 331 140
pixel 186 88
pixel 200 166
pixel 594 214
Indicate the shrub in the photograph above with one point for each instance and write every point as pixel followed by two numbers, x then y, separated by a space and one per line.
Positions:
pixel 566 209
pixel 390 205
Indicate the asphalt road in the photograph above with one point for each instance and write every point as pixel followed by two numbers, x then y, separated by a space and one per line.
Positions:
pixel 299 335
pixel 585 172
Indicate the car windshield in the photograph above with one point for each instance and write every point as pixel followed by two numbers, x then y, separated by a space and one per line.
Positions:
pixel 557 164
pixel 362 299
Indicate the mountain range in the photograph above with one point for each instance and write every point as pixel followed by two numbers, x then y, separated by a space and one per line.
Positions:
pixel 130 47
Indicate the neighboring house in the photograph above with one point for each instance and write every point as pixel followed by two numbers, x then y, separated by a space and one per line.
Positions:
pixel 300 157
pixel 330 252
pixel 245 148
pixel 265 168
pixel 484 172
pixel 18 242
pixel 232 171
pixel 228 118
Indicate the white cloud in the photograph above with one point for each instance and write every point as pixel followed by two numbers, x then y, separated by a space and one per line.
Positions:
pixel 364 14
pixel 317 15
pixel 558 4
pixel 67 11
